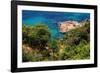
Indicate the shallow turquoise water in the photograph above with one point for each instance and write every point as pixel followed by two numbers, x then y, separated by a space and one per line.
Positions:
pixel 51 19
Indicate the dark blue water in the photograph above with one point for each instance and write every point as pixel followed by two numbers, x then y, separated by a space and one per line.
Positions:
pixel 51 19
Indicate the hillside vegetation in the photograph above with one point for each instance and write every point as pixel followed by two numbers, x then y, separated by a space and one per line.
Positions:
pixel 38 45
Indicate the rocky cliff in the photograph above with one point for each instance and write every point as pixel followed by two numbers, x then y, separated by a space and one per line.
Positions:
pixel 69 25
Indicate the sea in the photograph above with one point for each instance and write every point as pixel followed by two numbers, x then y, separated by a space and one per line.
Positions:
pixel 51 19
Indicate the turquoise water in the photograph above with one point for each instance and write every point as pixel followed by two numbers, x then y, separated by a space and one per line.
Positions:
pixel 51 19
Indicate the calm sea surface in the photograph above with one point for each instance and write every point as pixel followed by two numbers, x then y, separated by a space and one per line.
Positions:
pixel 51 19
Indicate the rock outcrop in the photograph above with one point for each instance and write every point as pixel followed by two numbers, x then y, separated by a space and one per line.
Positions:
pixel 68 25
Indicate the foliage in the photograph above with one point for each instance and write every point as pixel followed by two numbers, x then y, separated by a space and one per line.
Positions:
pixel 36 36
pixel 75 36
pixel 27 57
pixel 75 44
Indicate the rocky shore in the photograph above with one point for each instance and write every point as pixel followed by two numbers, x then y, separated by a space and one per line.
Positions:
pixel 69 25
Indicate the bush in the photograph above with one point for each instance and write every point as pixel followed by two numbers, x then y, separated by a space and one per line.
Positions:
pixel 37 36
pixel 27 57
pixel 74 45
pixel 75 36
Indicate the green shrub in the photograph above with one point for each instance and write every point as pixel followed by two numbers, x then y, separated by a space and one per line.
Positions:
pixel 37 36
pixel 27 57
pixel 75 44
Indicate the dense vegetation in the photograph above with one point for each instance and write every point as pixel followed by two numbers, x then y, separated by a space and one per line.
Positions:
pixel 38 45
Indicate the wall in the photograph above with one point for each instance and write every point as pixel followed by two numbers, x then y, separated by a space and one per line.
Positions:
pixel 5 32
